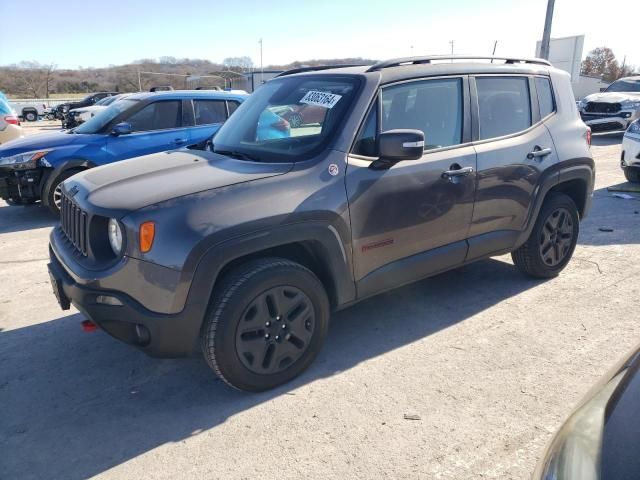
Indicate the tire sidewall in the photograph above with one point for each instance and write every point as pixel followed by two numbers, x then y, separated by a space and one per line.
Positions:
pixel 228 316
pixel 557 201
pixel 52 188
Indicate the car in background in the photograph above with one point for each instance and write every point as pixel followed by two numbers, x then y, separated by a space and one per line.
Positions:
pixel 61 110
pixel 613 109
pixel 28 110
pixel 33 168
pixel 601 438
pixel 9 123
pixel 630 156
pixel 80 115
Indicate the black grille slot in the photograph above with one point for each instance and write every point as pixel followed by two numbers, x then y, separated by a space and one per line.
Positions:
pixel 74 223
pixel 601 107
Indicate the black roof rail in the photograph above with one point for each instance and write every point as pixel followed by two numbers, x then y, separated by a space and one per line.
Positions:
pixel 396 62
pixel 318 67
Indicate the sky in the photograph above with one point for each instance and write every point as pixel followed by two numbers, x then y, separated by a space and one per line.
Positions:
pixel 92 33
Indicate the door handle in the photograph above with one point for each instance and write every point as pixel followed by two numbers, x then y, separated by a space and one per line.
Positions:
pixel 457 172
pixel 178 141
pixel 538 153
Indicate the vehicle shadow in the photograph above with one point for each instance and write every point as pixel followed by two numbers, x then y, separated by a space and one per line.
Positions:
pixel 621 216
pixel 606 139
pixel 17 218
pixel 76 405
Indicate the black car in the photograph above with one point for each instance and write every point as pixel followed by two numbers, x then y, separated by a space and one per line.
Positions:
pixel 601 438
pixel 410 168
pixel 60 111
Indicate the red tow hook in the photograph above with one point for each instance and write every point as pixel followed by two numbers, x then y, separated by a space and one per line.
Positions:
pixel 89 326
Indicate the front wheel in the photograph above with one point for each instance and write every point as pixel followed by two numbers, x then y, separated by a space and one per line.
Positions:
pixel 266 324
pixel 553 239
pixel 632 174
pixel 54 194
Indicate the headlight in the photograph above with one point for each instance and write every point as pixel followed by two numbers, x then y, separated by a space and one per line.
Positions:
pixel 574 453
pixel 630 105
pixel 582 104
pixel 24 160
pixel 634 128
pixel 115 236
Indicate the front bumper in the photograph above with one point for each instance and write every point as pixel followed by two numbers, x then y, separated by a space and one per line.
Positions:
pixel 630 157
pixel 605 122
pixel 21 184
pixel 157 334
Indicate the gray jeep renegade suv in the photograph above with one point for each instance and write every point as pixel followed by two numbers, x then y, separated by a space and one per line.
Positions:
pixel 394 172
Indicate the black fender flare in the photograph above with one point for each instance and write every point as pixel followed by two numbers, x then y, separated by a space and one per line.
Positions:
pixel 52 174
pixel 328 246
pixel 582 169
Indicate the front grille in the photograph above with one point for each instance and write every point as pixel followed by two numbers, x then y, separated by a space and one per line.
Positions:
pixel 602 107
pixel 75 226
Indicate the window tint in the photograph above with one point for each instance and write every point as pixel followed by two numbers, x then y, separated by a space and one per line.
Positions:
pixel 366 142
pixel 504 105
pixel 157 116
pixel 233 106
pixel 433 106
pixel 209 111
pixel 545 96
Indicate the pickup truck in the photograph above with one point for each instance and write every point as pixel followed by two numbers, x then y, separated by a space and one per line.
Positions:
pixel 29 110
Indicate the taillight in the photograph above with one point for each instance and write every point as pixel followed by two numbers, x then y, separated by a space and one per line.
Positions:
pixel 587 136
pixel 12 119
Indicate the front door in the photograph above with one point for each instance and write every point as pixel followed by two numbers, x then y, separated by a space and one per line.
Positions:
pixel 412 219
pixel 157 127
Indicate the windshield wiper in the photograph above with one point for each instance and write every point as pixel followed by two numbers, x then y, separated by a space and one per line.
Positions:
pixel 236 154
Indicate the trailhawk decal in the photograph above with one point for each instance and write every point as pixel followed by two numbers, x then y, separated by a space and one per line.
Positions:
pixel 321 99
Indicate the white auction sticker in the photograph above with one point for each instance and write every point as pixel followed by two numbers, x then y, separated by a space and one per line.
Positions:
pixel 321 99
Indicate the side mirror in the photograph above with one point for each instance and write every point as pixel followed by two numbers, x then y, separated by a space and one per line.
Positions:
pixel 122 128
pixel 397 145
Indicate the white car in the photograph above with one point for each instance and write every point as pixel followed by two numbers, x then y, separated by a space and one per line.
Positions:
pixel 615 108
pixel 82 114
pixel 630 158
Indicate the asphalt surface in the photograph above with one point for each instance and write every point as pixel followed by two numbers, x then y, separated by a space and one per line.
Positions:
pixel 465 375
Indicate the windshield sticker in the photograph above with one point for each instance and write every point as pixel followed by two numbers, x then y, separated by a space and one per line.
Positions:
pixel 321 99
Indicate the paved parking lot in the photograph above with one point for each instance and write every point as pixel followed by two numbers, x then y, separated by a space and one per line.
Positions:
pixel 486 362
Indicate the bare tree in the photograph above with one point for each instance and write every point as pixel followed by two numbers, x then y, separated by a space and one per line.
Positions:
pixel 238 64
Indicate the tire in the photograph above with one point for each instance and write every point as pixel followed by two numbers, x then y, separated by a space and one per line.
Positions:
pixel 272 295
pixel 54 193
pixel 548 249
pixel 295 120
pixel 30 116
pixel 632 174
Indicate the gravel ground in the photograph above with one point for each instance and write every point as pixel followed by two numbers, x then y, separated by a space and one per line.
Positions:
pixel 486 362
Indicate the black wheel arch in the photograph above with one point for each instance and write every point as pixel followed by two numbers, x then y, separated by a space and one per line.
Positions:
pixel 316 246
pixel 50 175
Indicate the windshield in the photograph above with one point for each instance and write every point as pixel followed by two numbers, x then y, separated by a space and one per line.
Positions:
pixel 286 119
pixel 104 101
pixel 624 86
pixel 95 124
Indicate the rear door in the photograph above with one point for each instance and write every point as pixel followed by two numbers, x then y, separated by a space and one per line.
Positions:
pixel 209 115
pixel 514 151
pixel 157 127
pixel 412 207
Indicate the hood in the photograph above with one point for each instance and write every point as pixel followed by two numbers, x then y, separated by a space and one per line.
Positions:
pixel 43 141
pixel 140 182
pixel 612 97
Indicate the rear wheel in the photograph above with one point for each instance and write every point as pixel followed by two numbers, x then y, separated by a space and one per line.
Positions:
pixel 632 174
pixel 553 239
pixel 30 116
pixel 266 324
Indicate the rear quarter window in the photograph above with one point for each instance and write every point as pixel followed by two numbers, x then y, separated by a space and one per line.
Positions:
pixel 545 96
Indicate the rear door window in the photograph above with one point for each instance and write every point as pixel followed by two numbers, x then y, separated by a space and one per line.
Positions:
pixel 432 106
pixel 545 96
pixel 157 116
pixel 209 111
pixel 233 106
pixel 504 105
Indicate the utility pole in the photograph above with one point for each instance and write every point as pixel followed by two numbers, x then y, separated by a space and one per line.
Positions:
pixel 546 35
pixel 139 82
pixel 493 54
